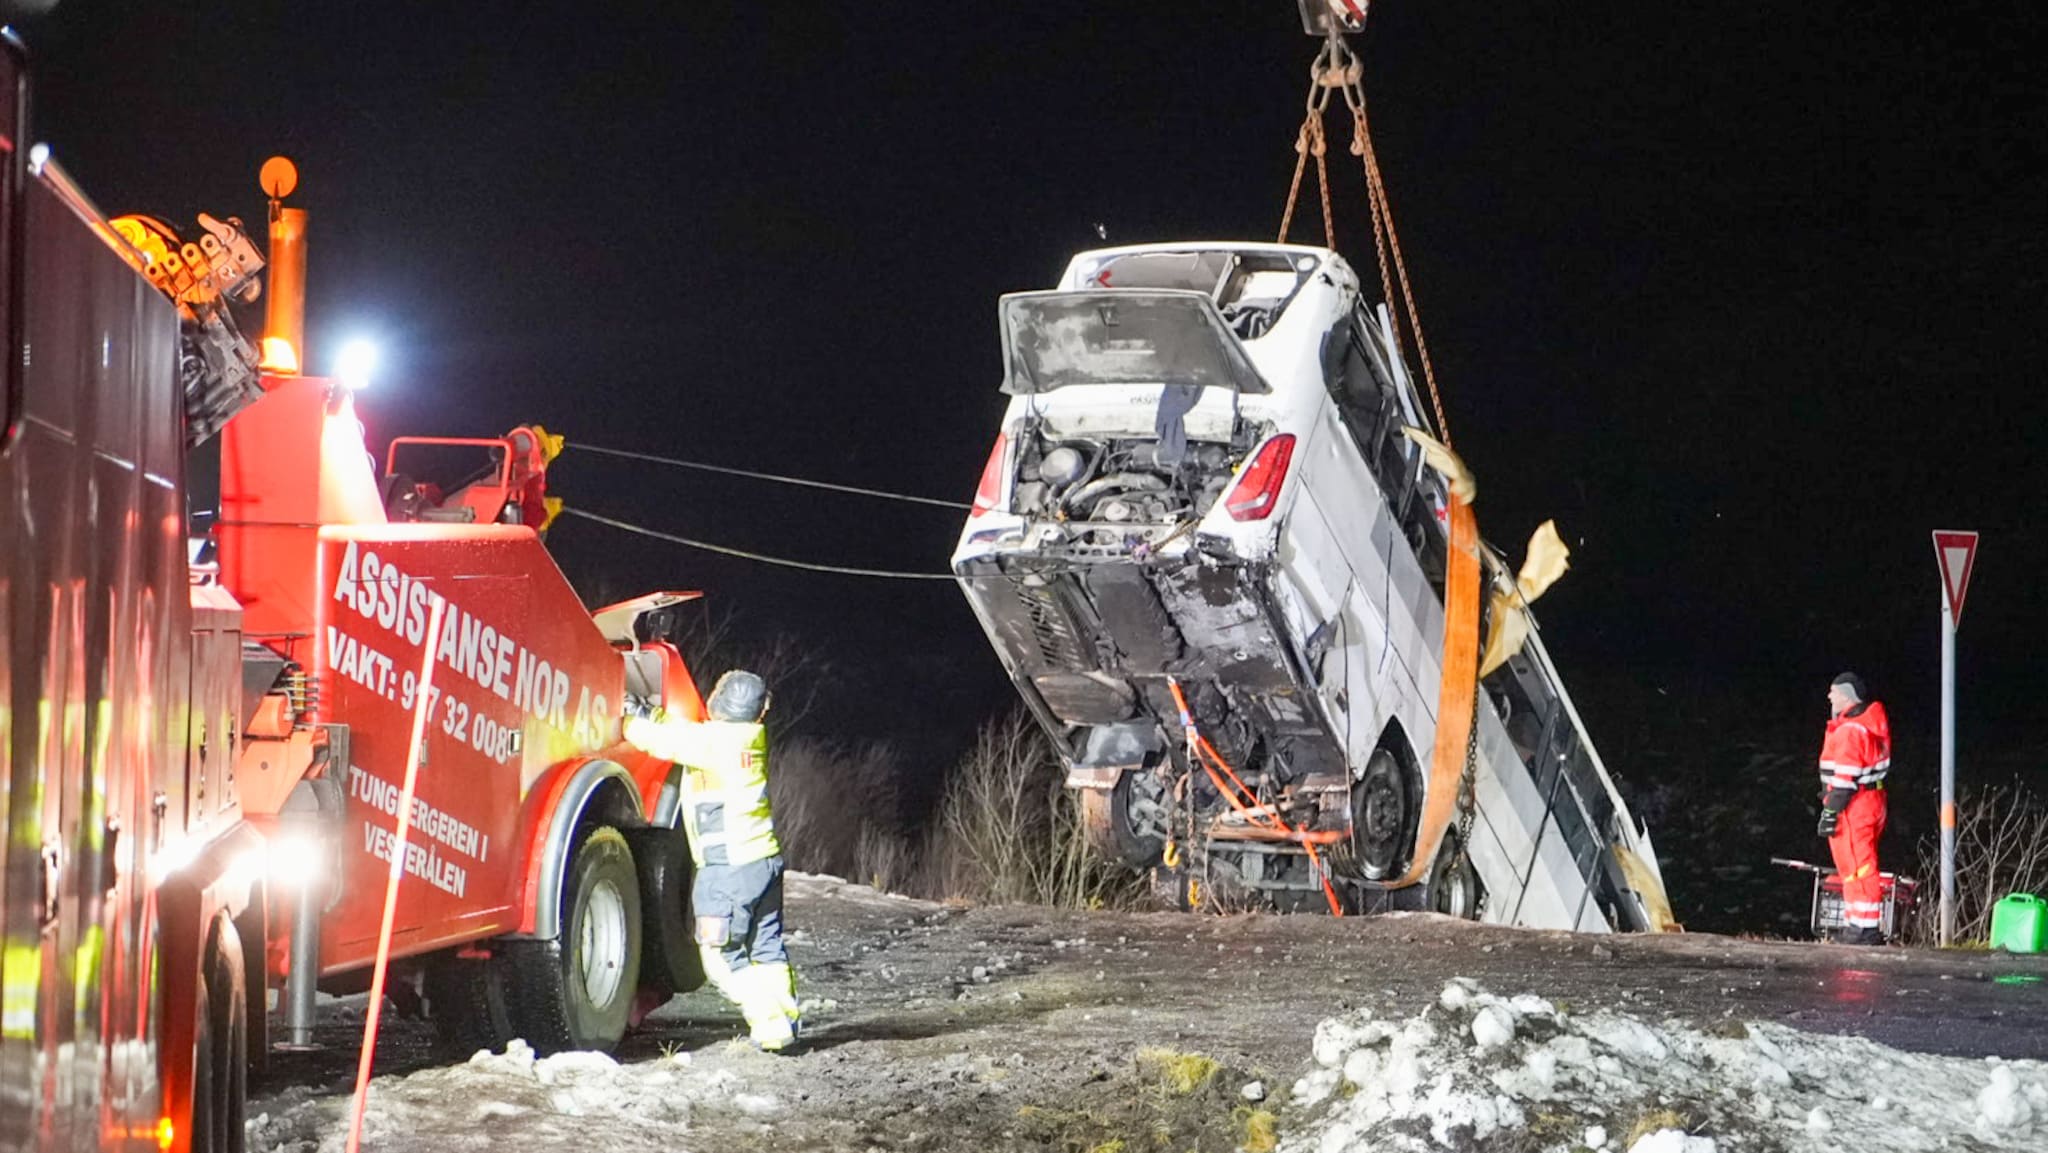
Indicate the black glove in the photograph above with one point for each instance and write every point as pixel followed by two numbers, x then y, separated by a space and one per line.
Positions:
pixel 1832 803
pixel 641 707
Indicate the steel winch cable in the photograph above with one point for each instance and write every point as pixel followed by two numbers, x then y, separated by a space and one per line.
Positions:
pixel 763 558
pixel 770 477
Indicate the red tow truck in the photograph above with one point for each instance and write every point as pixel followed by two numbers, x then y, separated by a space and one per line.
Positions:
pixel 205 730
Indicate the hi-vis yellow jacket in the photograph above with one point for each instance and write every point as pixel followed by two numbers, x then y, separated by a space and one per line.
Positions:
pixel 725 785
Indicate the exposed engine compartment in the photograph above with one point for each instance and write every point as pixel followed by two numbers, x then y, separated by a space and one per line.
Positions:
pixel 1120 481
pixel 1106 492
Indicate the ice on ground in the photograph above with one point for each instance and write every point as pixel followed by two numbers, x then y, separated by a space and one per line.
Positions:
pixel 1673 1141
pixel 584 1100
pixel 1478 1070
pixel 825 887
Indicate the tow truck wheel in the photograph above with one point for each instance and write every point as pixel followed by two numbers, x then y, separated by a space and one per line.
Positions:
pixel 205 1108
pixel 669 959
pixel 220 1083
pixel 1380 824
pixel 575 992
pixel 466 999
pixel 1454 883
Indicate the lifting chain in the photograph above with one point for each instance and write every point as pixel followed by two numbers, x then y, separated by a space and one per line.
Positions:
pixel 1311 141
pixel 1337 68
pixel 1468 787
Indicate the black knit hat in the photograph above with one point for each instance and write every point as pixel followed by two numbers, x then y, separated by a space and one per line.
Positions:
pixel 1853 683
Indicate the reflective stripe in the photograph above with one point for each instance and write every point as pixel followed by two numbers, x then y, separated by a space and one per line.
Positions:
pixel 727 793
pixel 21 972
pixel 728 771
pixel 1839 774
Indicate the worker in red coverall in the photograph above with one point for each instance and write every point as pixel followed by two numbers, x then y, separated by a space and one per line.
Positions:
pixel 1853 762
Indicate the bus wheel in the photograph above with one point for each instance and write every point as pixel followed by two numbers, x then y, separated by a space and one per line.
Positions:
pixel 576 991
pixel 1126 823
pixel 1453 883
pixel 1380 817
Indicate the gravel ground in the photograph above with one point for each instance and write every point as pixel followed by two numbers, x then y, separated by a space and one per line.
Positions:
pixel 940 1028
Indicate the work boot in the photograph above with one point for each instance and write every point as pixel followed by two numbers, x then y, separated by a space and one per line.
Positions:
pixel 766 996
pixel 1864 936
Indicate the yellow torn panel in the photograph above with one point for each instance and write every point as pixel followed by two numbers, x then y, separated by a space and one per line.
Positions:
pixel 1442 459
pixel 1544 562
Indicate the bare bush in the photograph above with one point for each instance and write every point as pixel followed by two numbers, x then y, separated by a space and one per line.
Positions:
pixel 834 804
pixel 2001 847
pixel 1010 831
pixel 1007 830
pixel 713 641
pixel 888 860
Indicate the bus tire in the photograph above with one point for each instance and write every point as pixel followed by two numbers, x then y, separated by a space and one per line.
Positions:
pixel 1454 888
pixel 1383 817
pixel 576 992
pixel 1115 823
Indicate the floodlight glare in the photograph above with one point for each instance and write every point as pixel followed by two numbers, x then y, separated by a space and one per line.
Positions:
pixel 357 362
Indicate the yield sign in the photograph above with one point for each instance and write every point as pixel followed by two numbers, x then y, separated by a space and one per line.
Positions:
pixel 1956 553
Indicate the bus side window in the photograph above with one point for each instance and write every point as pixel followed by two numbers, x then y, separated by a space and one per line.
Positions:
pixel 1371 413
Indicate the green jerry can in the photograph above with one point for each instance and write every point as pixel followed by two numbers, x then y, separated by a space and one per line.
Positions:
pixel 2019 923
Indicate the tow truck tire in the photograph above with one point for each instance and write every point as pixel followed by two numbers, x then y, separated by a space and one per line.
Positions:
pixel 1454 884
pixel 221 1065
pixel 205 1105
pixel 669 959
pixel 466 999
pixel 575 992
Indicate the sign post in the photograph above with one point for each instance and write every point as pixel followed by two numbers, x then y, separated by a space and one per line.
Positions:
pixel 1956 554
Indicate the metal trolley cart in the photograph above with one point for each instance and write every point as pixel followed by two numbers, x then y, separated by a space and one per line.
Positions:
pixel 1900 894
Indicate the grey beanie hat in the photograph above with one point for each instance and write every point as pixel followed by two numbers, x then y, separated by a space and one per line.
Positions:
pixel 1853 684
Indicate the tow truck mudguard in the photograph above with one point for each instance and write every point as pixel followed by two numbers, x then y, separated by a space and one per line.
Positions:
pixel 555 809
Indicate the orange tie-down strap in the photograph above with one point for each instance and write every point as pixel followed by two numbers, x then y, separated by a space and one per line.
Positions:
pixel 1456 695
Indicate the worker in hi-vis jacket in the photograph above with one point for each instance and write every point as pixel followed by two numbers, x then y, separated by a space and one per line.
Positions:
pixel 737 895
pixel 1854 758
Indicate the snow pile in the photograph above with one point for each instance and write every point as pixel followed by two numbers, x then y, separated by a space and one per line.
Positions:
pixel 826 887
pixel 1482 1071
pixel 585 1099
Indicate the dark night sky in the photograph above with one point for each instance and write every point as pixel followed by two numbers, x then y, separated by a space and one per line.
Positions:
pixel 1748 297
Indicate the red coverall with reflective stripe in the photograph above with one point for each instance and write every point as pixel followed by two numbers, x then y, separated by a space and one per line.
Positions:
pixel 1856 755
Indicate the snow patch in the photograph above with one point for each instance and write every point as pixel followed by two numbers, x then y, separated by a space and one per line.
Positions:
pixel 1476 1065
pixel 569 1100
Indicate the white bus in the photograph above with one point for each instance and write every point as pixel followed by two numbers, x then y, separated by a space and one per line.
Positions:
pixel 1202 500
